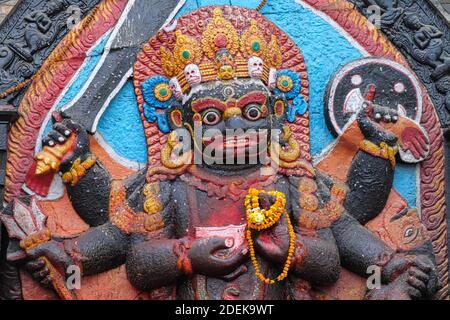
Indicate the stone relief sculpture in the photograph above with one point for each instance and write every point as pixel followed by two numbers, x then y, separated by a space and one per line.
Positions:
pixel 232 203
pixel 25 42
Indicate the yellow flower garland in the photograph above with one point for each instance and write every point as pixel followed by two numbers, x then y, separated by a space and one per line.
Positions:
pixel 261 219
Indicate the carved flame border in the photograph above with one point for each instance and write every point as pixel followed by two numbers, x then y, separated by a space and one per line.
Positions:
pixel 49 82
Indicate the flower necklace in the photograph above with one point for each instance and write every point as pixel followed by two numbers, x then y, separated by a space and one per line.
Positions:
pixel 261 219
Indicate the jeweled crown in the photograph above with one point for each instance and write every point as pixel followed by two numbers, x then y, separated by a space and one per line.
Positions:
pixel 221 54
pixel 173 64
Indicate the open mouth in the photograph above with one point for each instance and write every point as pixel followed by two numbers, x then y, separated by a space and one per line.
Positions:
pixel 238 149
pixel 233 143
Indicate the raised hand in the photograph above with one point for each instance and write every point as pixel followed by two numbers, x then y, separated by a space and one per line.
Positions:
pixel 374 122
pixel 414 141
pixel 64 144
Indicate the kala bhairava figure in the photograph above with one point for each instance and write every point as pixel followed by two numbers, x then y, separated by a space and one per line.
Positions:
pixel 231 205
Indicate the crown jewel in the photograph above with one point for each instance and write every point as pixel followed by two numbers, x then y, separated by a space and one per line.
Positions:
pixel 221 54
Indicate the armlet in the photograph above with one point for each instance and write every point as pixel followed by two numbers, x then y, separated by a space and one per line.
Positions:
pixel 312 217
pixel 383 151
pixel 78 170
pixel 129 221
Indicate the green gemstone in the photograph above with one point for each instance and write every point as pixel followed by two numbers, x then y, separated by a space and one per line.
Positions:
pixel 186 55
pixel 256 46
pixel 163 92
pixel 285 83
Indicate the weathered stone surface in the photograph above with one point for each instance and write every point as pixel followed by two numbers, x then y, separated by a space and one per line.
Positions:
pixel 5 8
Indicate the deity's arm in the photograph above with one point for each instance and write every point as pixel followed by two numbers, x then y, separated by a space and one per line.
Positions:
pixel 154 264
pixel 95 251
pixel 159 259
pixel 322 206
pixel 172 253
pixel 358 247
pixel 316 256
pixel 99 249
pixel 106 247
pixel 370 177
pixel 370 181
pixel 67 149
pixel 161 262
pixel 91 194
pixel 320 263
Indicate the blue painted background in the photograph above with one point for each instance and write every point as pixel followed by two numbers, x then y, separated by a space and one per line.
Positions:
pixel 325 51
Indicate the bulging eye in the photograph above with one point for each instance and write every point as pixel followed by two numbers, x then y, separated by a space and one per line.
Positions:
pixel 211 117
pixel 253 112
pixel 408 232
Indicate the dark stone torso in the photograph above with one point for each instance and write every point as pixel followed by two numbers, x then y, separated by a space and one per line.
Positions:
pixel 205 212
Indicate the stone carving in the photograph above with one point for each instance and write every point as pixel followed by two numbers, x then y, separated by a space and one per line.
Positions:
pixel 427 46
pixel 28 38
pixel 240 230
pixel 389 9
pixel 421 38
pixel 88 32
pixel 434 211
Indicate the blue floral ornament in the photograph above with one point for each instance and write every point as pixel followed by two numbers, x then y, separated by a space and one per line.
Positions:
pixel 157 93
pixel 153 116
pixel 288 84
pixel 299 107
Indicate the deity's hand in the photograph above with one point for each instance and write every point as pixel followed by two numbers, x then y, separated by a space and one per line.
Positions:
pixel 371 121
pixel 55 253
pixel 420 279
pixel 399 289
pixel 209 257
pixel 67 142
pixel 273 243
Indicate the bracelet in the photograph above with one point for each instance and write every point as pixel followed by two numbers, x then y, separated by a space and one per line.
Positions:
pixel 78 170
pixel 184 263
pixel 383 151
pixel 36 240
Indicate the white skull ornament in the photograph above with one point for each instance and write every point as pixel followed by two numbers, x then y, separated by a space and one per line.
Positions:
pixel 176 88
pixel 255 67
pixel 193 75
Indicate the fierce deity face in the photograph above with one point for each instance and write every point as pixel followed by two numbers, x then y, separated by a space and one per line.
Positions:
pixel 234 121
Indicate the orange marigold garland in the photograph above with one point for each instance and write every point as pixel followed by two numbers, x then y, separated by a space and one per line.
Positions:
pixel 262 219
